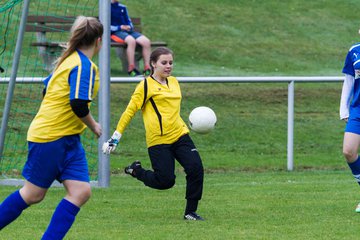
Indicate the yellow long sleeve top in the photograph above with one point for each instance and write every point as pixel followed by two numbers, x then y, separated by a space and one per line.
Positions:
pixel 160 105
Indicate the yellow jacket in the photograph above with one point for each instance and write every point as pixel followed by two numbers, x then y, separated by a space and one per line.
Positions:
pixel 160 107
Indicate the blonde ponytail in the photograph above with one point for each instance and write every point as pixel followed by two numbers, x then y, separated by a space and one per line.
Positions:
pixel 84 32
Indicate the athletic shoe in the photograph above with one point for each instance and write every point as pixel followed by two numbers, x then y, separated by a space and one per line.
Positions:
pixel 147 72
pixel 357 209
pixel 134 73
pixel 193 216
pixel 131 169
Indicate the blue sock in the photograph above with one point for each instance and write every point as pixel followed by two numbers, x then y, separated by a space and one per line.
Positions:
pixel 61 221
pixel 11 208
pixel 355 169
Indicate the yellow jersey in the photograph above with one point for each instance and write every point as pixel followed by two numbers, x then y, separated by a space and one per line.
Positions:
pixel 77 77
pixel 160 105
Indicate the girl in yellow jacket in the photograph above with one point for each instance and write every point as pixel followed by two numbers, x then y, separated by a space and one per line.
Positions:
pixel 167 136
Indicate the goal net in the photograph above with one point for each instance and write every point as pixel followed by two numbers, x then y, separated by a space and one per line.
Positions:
pixel 34 65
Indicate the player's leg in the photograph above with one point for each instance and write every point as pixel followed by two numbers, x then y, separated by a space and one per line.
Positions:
pixel 163 164
pixel 130 53
pixel 39 172
pixel 64 216
pixel 76 182
pixel 12 207
pixel 351 146
pixel 350 150
pixel 189 158
pixel 146 51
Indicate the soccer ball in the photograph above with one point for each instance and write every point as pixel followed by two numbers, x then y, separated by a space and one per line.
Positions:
pixel 202 120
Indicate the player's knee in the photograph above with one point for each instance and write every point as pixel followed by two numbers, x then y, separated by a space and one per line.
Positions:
pixel 349 154
pixel 80 196
pixel 34 198
pixel 85 194
pixel 166 183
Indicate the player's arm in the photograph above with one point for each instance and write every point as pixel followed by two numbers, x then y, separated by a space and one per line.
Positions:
pixel 134 105
pixel 346 95
pixel 80 96
pixel 81 109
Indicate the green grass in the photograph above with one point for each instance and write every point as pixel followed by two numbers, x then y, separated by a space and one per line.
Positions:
pixel 248 193
pixel 244 205
pixel 224 38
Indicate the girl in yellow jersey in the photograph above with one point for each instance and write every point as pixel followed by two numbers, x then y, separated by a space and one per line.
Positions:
pixel 55 150
pixel 167 136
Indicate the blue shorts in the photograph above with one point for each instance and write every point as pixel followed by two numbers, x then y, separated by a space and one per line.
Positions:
pixel 353 126
pixel 123 34
pixel 63 159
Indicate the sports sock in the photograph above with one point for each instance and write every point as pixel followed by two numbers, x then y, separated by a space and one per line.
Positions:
pixel 355 169
pixel 191 206
pixel 131 67
pixel 61 221
pixel 147 67
pixel 11 208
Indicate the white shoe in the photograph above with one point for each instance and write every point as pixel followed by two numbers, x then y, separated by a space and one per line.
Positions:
pixel 357 209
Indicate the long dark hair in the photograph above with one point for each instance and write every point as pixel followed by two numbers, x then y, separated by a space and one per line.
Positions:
pixel 155 55
pixel 84 33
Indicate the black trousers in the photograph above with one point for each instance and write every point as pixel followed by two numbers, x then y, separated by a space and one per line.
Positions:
pixel 163 163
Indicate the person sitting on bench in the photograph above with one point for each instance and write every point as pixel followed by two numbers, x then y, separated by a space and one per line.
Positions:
pixel 122 31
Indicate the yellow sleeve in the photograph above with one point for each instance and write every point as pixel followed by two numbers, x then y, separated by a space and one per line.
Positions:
pixel 133 106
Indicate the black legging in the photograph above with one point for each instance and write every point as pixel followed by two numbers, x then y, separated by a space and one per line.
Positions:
pixel 163 163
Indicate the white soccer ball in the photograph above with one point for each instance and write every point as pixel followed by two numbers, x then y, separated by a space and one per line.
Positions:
pixel 202 120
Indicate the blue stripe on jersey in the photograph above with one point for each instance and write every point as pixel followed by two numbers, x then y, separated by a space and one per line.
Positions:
pixel 46 80
pixel 81 83
pixel 72 82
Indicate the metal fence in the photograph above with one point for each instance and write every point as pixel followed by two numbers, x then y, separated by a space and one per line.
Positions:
pixel 290 80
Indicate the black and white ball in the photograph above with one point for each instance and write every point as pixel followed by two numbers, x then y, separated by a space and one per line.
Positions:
pixel 202 120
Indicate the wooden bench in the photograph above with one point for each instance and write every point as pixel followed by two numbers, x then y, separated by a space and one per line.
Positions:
pixel 49 49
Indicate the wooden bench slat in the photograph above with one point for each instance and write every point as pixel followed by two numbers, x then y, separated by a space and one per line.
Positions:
pixel 50 19
pixel 41 24
pixel 55 28
pixel 48 28
pixel 67 19
pixel 136 21
pixel 113 44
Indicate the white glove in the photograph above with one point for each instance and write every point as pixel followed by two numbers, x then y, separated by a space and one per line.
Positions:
pixel 110 145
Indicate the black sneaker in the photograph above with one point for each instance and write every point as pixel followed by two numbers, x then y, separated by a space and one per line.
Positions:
pixel 131 169
pixel 134 73
pixel 147 72
pixel 193 216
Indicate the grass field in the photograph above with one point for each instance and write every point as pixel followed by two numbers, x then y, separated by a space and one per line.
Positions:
pixel 248 193
pixel 242 205
pixel 227 38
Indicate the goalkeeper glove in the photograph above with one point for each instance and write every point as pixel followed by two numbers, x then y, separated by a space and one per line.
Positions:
pixel 110 145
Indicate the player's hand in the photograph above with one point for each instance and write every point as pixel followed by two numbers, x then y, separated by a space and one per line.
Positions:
pixel 111 144
pixel 97 130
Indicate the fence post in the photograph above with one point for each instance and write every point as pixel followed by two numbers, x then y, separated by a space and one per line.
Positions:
pixel 104 95
pixel 290 132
